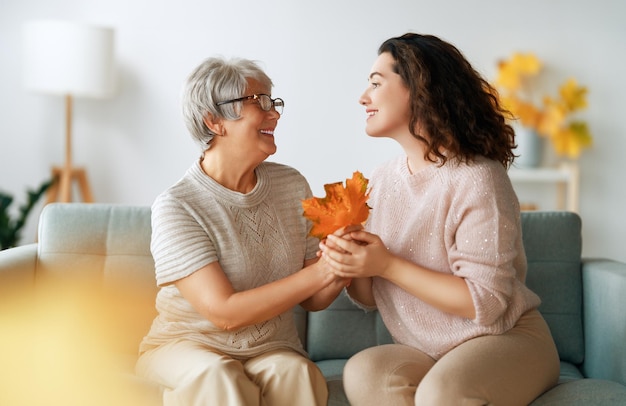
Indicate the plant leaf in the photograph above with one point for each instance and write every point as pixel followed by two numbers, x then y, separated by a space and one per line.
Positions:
pixel 342 206
pixel 574 96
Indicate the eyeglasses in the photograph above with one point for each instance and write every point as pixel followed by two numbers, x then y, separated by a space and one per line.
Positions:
pixel 265 102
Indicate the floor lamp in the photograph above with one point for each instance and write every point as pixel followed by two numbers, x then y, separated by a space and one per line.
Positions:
pixel 72 60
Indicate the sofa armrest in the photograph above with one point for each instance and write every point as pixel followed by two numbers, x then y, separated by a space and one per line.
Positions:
pixel 604 289
pixel 17 269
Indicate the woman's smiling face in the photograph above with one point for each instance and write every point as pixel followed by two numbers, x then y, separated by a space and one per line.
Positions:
pixel 254 131
pixel 386 100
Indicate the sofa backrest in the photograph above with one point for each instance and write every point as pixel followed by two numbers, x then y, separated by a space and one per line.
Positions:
pixel 104 250
pixel 109 246
pixel 101 241
pixel 553 245
pixel 342 330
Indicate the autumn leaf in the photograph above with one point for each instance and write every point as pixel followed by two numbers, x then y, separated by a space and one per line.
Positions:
pixel 342 206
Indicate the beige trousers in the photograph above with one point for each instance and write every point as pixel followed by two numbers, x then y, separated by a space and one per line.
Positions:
pixel 193 375
pixel 509 369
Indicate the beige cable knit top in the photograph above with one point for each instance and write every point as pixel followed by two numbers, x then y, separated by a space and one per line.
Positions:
pixel 258 237
pixel 462 219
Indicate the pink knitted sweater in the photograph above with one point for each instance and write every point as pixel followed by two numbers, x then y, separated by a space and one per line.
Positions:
pixel 462 219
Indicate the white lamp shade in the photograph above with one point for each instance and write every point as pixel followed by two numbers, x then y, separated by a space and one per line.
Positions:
pixel 69 58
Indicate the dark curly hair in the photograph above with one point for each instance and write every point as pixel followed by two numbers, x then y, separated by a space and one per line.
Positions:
pixel 457 107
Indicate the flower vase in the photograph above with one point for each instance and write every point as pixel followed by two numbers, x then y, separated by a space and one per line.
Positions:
pixel 529 147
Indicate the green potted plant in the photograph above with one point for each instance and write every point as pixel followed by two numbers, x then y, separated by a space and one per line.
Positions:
pixel 10 228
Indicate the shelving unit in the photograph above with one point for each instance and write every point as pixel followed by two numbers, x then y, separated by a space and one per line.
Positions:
pixel 565 177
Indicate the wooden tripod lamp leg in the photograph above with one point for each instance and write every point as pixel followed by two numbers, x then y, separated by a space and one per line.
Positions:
pixel 61 189
pixel 53 191
pixel 83 185
pixel 65 185
pixel 64 179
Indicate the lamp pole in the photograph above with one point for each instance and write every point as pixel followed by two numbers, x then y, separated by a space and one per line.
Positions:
pixel 68 130
pixel 64 176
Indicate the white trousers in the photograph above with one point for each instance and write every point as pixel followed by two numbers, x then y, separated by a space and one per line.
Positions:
pixel 194 375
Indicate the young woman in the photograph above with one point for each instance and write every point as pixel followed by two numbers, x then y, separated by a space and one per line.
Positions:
pixel 232 256
pixel 441 256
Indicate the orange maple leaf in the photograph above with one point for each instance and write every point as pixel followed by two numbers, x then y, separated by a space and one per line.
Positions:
pixel 342 206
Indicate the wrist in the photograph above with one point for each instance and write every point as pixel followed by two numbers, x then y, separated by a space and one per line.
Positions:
pixel 322 274
pixel 392 264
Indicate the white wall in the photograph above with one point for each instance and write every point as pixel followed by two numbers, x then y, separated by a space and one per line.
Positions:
pixel 319 54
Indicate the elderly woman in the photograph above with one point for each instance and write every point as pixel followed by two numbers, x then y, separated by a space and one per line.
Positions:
pixel 233 257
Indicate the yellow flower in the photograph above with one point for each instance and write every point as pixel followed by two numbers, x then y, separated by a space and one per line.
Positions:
pixel 572 139
pixel 512 73
pixel 550 119
pixel 574 96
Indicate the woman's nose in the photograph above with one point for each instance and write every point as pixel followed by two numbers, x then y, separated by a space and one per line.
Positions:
pixel 275 114
pixel 363 100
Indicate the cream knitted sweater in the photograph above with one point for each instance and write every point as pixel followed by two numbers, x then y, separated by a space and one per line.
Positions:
pixel 258 237
pixel 462 219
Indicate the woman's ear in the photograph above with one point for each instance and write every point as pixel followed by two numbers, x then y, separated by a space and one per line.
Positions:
pixel 214 124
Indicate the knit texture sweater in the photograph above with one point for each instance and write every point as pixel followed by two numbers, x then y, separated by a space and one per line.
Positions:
pixel 258 238
pixel 461 219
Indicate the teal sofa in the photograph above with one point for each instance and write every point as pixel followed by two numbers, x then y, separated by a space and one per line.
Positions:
pixel 92 265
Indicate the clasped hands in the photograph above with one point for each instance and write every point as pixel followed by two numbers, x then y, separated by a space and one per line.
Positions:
pixel 352 252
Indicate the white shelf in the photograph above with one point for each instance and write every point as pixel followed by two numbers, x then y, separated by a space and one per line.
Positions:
pixel 538 175
pixel 565 177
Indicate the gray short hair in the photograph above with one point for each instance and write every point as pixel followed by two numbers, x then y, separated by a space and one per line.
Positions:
pixel 214 80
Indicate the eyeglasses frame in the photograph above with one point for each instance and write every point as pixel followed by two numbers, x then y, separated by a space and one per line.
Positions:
pixel 257 96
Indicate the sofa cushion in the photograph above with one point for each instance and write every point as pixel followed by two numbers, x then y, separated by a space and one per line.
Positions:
pixel 584 392
pixel 553 245
pixel 332 368
pixel 336 394
pixel 342 330
pixel 569 372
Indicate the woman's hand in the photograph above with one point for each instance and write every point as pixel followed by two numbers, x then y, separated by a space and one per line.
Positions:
pixel 343 232
pixel 360 254
pixel 323 298
pixel 356 254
